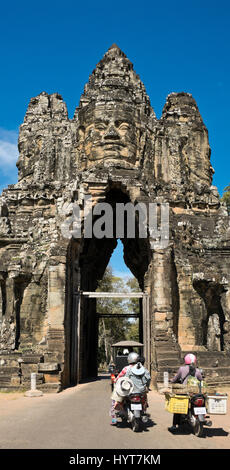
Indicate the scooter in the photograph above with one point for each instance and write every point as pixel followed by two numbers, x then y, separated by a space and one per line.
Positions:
pixel 133 411
pixel 196 416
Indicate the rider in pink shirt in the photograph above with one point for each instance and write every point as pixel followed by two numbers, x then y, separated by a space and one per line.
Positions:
pixel 189 368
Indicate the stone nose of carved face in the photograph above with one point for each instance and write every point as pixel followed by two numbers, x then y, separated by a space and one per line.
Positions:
pixel 111 134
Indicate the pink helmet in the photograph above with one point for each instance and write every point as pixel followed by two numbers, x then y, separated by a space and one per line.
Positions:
pixel 190 359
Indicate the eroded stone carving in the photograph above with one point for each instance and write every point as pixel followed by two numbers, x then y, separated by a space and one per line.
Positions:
pixel 108 134
pixel 214 332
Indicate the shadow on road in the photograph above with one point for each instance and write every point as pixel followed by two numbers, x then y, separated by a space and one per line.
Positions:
pixel 150 424
pixel 207 432
pixel 95 379
pixel 103 377
pixel 125 425
pixel 213 432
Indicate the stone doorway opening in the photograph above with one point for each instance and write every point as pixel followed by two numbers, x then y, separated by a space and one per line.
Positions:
pixel 144 323
pixel 86 263
pixel 213 321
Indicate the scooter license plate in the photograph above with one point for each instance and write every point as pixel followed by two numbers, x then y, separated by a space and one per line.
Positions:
pixel 200 411
pixel 136 406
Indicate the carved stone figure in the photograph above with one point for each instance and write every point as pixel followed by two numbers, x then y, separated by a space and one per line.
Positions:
pixel 213 334
pixel 108 133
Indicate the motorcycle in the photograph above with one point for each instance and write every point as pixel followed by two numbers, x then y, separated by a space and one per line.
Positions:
pixel 196 417
pixel 133 411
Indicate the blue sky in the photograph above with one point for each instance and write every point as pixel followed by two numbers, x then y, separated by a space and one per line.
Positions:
pixel 53 46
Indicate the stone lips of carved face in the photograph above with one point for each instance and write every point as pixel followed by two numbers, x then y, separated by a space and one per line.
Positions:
pixel 110 135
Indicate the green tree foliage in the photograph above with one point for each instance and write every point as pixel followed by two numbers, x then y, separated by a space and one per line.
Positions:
pixel 133 331
pixel 112 330
pixel 226 198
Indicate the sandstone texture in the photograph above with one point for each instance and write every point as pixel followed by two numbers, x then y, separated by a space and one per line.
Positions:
pixel 114 150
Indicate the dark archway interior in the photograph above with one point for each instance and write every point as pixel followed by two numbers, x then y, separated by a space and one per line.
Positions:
pixel 94 259
pixel 96 252
pixel 211 294
pixel 3 297
pixel 175 296
pixel 19 288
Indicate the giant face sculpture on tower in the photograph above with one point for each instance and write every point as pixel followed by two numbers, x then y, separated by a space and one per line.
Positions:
pixel 107 133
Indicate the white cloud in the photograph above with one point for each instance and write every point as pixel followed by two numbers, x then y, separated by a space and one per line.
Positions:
pixel 125 275
pixel 8 153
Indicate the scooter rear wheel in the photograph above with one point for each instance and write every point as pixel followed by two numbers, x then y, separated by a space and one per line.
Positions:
pixel 136 424
pixel 198 429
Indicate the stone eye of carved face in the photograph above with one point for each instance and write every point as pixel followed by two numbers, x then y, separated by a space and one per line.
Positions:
pixel 100 126
pixel 124 126
pixel 118 125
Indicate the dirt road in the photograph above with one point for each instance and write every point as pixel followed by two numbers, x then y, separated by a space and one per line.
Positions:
pixel 78 418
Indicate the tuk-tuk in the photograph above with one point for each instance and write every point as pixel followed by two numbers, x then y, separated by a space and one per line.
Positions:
pixel 120 352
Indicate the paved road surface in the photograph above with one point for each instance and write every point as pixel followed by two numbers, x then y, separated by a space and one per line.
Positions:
pixel 78 418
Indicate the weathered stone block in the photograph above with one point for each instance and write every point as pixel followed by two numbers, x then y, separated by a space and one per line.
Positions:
pixel 32 359
pixel 28 368
pixel 160 317
pixel 15 380
pixel 26 379
pixel 48 367
pixel 51 378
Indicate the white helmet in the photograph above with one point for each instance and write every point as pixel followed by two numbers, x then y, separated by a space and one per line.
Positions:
pixel 133 358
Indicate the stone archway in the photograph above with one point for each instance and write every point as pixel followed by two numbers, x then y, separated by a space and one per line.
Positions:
pixel 86 264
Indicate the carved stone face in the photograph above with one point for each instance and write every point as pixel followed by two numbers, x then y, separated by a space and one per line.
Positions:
pixel 24 157
pixel 29 154
pixel 109 134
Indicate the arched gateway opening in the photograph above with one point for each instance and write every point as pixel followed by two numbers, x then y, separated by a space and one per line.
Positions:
pixel 86 264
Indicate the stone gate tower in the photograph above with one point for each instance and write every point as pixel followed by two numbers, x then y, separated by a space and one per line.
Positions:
pixel 114 150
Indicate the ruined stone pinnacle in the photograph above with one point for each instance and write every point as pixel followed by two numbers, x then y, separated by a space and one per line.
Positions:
pixel 114 46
